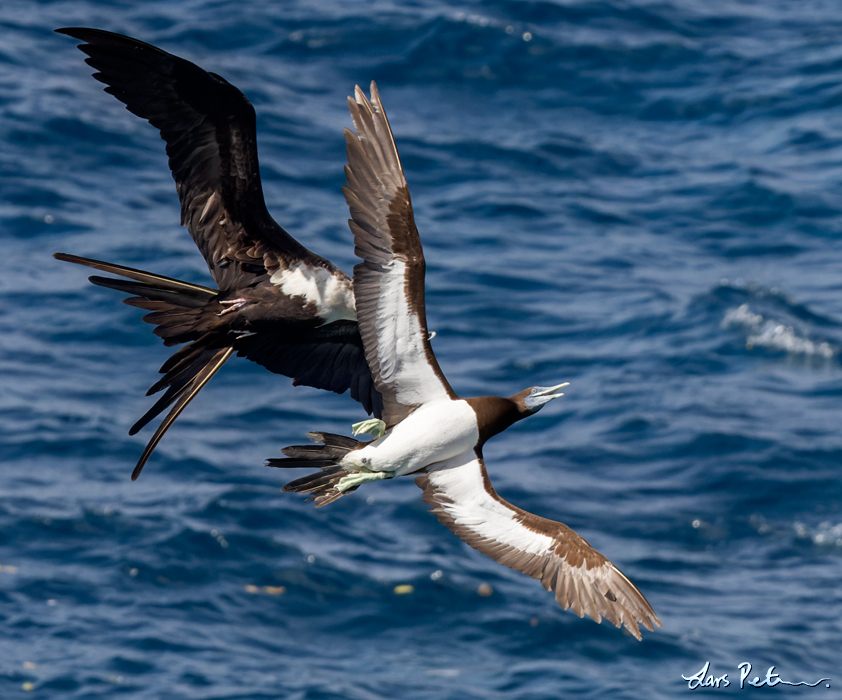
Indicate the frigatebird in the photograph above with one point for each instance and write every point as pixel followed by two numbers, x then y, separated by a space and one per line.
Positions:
pixel 275 303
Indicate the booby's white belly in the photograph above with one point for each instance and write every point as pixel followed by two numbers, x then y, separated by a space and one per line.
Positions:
pixel 436 431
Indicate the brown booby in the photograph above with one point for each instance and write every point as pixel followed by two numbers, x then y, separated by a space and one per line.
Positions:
pixel 276 303
pixel 430 431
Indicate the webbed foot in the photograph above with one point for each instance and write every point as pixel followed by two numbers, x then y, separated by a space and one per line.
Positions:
pixel 373 426
pixel 358 478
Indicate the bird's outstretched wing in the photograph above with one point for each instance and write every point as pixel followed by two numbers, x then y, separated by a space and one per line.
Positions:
pixel 389 283
pixel 278 304
pixel 583 580
pixel 209 129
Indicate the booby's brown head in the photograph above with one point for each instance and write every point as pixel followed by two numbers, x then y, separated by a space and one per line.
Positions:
pixel 531 400
pixel 495 414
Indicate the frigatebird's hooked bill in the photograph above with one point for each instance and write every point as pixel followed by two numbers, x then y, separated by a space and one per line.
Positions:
pixel 430 431
pixel 276 302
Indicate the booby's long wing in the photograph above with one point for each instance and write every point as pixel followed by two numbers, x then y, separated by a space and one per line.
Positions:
pixel 389 283
pixel 583 580
pixel 209 129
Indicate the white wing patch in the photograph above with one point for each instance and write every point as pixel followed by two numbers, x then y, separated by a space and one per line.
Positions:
pixel 474 508
pixel 400 348
pixel 332 296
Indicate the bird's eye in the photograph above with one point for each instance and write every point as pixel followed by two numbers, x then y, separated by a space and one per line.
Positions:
pixel 365 460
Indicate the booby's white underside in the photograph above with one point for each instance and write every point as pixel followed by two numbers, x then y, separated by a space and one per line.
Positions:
pixel 437 431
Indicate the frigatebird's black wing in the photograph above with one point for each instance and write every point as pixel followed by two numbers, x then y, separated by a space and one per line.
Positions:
pixel 278 304
pixel 209 129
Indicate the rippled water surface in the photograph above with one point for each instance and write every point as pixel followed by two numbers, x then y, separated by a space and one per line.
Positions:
pixel 642 198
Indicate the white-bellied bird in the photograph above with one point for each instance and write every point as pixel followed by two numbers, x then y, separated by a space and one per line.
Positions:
pixel 429 431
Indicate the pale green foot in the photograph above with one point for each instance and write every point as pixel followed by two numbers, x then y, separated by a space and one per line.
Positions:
pixel 373 426
pixel 358 478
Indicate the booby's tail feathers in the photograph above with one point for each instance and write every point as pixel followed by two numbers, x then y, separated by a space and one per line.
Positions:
pixel 182 313
pixel 321 485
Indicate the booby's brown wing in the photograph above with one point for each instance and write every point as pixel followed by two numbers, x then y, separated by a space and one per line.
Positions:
pixel 461 496
pixel 389 283
pixel 209 129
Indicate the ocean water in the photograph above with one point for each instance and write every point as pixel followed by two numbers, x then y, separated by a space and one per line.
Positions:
pixel 639 197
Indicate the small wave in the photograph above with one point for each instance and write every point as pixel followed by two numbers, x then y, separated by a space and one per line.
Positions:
pixel 824 535
pixel 768 333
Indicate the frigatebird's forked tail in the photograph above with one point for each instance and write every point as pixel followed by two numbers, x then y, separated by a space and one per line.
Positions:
pixel 182 313
pixel 326 357
pixel 277 303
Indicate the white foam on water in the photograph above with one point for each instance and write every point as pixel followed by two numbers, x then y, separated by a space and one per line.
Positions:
pixel 768 333
pixel 825 534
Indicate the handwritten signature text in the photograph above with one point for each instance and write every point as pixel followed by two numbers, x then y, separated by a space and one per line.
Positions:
pixel 703 678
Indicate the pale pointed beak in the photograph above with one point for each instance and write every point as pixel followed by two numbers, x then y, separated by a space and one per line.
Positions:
pixel 543 394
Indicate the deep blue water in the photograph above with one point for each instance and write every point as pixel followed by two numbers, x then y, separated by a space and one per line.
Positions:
pixel 642 198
